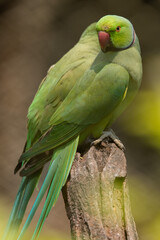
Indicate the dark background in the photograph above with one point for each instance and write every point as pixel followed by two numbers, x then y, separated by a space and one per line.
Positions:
pixel 33 36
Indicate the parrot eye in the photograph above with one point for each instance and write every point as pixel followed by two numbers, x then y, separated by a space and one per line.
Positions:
pixel 118 29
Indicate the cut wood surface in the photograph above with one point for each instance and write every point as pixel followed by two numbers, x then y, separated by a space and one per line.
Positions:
pixel 96 195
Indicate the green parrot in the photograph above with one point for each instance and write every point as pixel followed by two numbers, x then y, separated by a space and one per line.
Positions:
pixel 81 96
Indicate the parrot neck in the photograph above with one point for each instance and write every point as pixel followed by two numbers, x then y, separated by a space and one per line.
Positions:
pixel 130 45
pixel 134 38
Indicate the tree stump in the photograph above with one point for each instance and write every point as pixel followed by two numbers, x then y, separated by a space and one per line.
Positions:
pixel 96 195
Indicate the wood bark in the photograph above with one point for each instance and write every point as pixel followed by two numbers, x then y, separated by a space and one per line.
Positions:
pixel 96 195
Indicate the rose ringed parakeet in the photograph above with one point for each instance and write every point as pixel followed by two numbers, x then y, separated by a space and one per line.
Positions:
pixel 81 96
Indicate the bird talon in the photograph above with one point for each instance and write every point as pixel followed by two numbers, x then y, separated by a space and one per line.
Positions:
pixel 119 144
pixel 110 133
pixel 96 142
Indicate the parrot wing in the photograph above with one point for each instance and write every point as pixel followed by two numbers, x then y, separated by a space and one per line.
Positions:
pixel 59 81
pixel 94 97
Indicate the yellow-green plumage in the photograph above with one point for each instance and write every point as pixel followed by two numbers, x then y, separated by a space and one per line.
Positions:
pixel 81 96
pixel 59 81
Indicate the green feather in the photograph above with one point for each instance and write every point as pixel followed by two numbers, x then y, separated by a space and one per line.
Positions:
pixel 26 189
pixel 57 174
pixel 55 137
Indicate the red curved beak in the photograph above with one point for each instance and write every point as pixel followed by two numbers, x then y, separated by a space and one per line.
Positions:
pixel 104 40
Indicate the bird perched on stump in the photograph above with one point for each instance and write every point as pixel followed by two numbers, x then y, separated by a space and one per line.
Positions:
pixel 82 95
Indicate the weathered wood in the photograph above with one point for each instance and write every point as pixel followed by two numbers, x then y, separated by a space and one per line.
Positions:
pixel 96 195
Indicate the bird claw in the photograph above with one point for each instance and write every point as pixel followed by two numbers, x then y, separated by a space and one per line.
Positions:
pixel 110 133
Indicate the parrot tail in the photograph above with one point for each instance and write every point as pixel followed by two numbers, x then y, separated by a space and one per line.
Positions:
pixel 25 191
pixel 56 177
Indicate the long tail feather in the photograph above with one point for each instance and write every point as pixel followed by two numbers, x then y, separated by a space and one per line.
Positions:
pixel 56 177
pixel 39 197
pixel 26 189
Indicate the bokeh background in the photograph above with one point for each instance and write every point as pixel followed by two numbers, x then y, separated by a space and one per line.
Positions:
pixel 33 36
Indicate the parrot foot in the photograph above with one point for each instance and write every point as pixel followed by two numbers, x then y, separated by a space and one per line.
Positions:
pixel 110 133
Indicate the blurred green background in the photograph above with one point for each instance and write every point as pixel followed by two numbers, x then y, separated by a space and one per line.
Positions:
pixel 33 36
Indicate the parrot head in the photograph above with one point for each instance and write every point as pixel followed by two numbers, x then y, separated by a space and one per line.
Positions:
pixel 115 33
